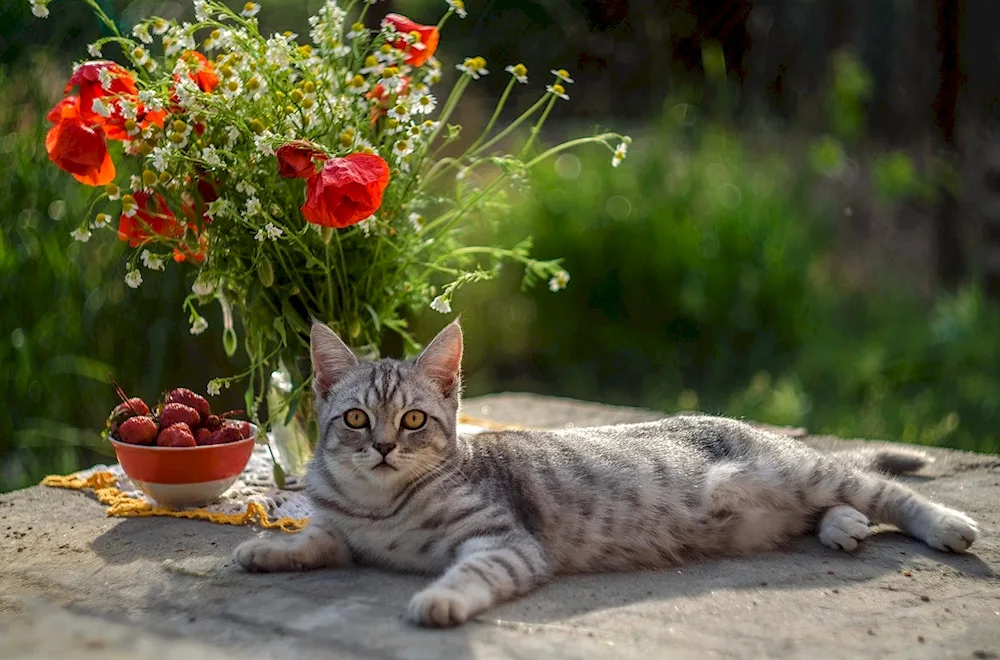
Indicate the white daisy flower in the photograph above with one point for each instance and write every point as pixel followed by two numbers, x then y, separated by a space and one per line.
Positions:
pixel 393 83
pixel 250 9
pixel 232 88
pixel 425 104
pixel 399 112
pixel 356 83
pixel 256 86
pixel 160 26
pixel 153 261
pixel 202 286
pixel 101 220
pixel 474 66
pixel 559 282
pixel 441 305
pixel 357 30
pixel 558 90
pixel 519 71
pixel 429 126
pixel 81 234
pixel 133 278
pixel 458 6
pixel 213 388
pixel 141 32
pixel 402 148
pixel 432 77
pixel 417 221
pixel 563 75
pixel 253 207
pixel 100 107
pixel 199 326
pixel 39 9
pixel 201 10
pixel 94 50
pixel 619 156
pixel 371 65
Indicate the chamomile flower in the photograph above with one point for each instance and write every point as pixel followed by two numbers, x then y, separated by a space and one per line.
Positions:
pixel 402 148
pixel 94 50
pixel 391 80
pixel 133 278
pixel 429 126
pixel 250 9
pixel 563 75
pixel 441 305
pixel 356 83
pixel 371 65
pixel 201 12
pixel 256 86
pixel 141 32
pixel 202 286
pixel 519 71
pixel 101 220
pixel 113 191
pixel 357 30
pixel 199 326
pixel 557 90
pixel 417 221
pixel 81 234
pixel 160 26
pixel 425 103
pixel 153 261
pixel 619 156
pixel 253 207
pixel 232 88
pixel 559 282
pixel 399 112
pixel 458 6
pixel 39 9
pixel 474 66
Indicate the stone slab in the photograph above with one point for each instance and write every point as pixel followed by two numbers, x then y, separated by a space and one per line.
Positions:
pixel 77 584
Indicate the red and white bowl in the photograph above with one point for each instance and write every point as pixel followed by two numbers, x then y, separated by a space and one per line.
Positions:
pixel 180 477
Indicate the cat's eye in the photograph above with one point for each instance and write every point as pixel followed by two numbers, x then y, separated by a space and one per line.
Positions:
pixel 356 418
pixel 414 419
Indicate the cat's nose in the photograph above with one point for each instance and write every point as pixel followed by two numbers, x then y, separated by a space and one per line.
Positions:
pixel 384 447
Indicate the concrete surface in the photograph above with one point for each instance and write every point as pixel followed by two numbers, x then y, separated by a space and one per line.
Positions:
pixel 76 584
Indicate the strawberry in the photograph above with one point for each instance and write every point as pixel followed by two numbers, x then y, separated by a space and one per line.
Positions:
pixel 213 423
pixel 244 427
pixel 225 434
pixel 176 413
pixel 191 399
pixel 138 430
pixel 126 409
pixel 176 435
pixel 203 436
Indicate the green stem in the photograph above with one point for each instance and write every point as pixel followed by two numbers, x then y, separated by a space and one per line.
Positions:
pixel 602 139
pixel 537 128
pixel 496 115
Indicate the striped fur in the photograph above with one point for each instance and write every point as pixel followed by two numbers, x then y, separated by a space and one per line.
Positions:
pixel 498 513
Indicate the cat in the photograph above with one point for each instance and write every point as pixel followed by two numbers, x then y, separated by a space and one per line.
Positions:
pixel 496 514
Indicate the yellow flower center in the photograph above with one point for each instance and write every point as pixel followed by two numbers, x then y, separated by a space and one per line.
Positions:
pixel 558 89
pixel 257 126
pixel 457 4
pixel 148 178
pixel 179 126
pixel 128 202
pixel 111 189
pixel 145 149
pixel 102 218
pixel 307 103
pixel 400 109
pixel 233 85
pixel 249 6
pixel 386 49
pixel 253 84
pixel 346 139
pixel 391 123
pixel 358 27
pixel 415 36
pixel 308 87
pixel 164 177
pixel 562 73
pixel 479 63
pixel 371 61
pixel 357 81
pixel 305 50
pixel 130 125
pixel 424 100
pixel 296 95
pixel 176 138
pixel 520 70
pixel 390 71
pixel 226 71
pixel 216 34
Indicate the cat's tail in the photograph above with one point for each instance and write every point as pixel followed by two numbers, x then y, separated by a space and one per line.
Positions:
pixel 888 459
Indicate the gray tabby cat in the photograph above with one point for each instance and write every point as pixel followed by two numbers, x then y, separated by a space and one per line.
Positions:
pixel 499 513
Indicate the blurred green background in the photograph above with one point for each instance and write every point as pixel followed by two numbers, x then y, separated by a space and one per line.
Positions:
pixel 806 230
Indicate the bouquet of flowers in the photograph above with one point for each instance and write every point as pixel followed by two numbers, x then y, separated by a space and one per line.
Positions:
pixel 297 179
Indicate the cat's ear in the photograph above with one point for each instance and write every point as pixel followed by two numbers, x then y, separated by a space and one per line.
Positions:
pixel 331 358
pixel 441 361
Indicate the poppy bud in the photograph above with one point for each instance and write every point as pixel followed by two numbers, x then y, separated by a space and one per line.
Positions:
pixel 265 271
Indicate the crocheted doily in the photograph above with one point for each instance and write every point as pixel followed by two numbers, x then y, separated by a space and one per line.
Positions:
pixel 253 499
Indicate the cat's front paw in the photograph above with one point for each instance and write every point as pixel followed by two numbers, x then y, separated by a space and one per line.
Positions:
pixel 439 607
pixel 264 556
pixel 951 531
pixel 842 527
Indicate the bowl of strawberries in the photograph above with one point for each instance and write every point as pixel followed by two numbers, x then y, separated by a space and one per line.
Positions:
pixel 181 454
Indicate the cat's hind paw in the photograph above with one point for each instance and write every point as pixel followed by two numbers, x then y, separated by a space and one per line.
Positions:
pixel 439 607
pixel 842 527
pixel 950 530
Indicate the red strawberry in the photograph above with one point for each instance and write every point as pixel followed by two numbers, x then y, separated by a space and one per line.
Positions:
pixel 225 434
pixel 176 413
pixel 190 399
pixel 139 430
pixel 177 435
pixel 126 409
pixel 203 436
pixel 213 423
pixel 244 427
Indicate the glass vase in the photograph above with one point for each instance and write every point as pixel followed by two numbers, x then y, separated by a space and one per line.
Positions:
pixel 292 435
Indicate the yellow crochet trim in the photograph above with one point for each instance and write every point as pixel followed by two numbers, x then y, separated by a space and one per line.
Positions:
pixel 104 485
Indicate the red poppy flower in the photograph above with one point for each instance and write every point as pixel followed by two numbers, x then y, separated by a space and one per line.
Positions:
pixel 297 159
pixel 186 251
pixel 77 147
pixel 379 92
pixel 152 216
pixel 88 78
pixel 202 73
pixel 427 39
pixel 346 191
pixel 115 126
